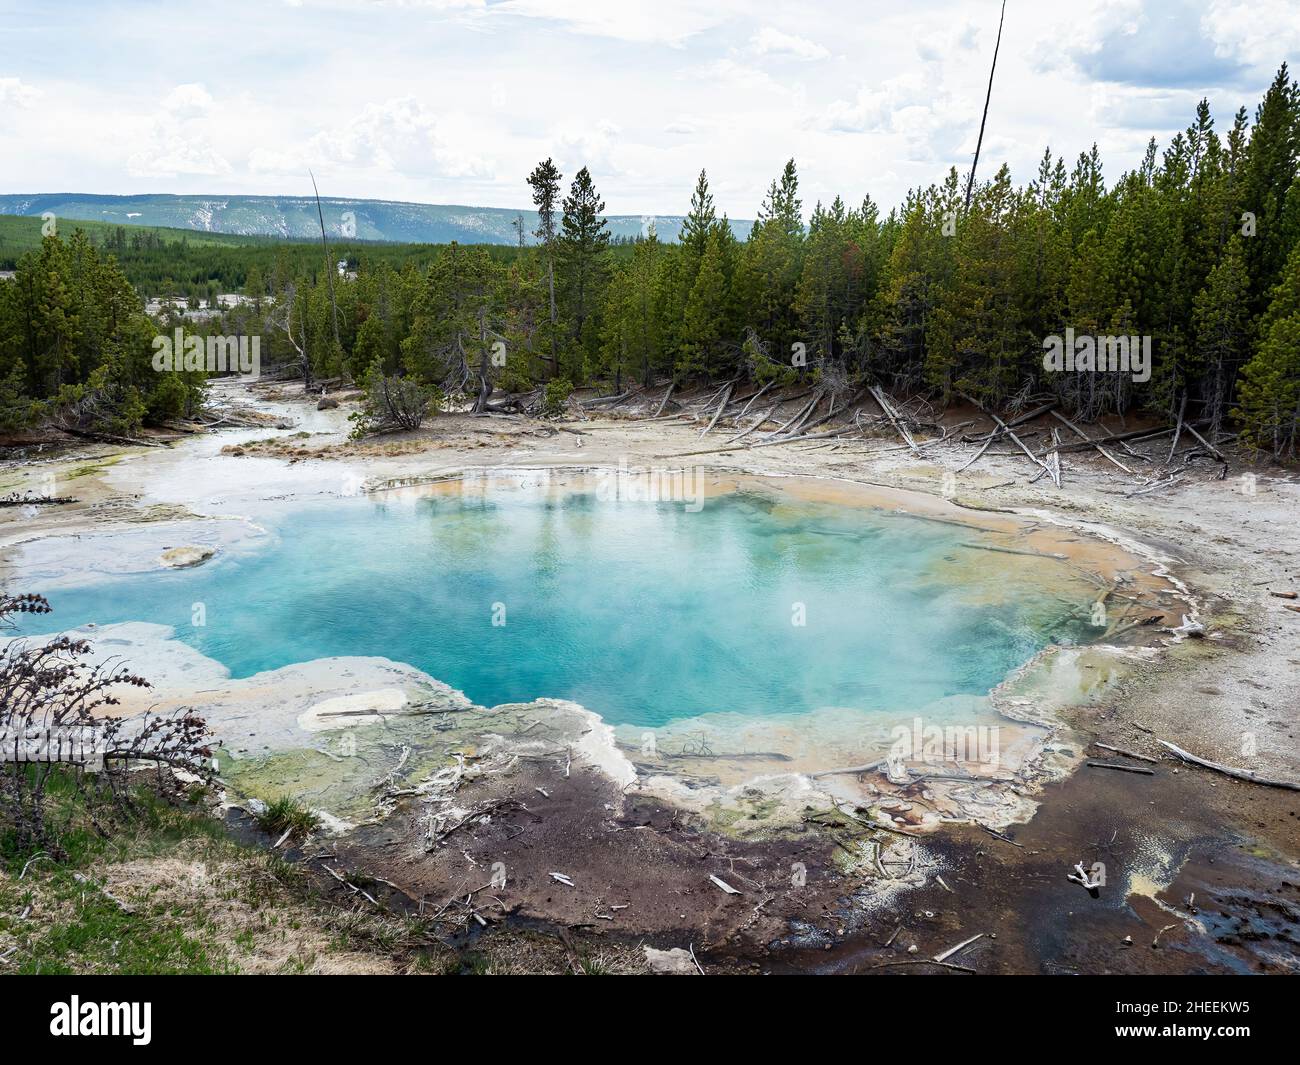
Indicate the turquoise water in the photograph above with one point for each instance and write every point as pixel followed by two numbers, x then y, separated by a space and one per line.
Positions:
pixel 642 612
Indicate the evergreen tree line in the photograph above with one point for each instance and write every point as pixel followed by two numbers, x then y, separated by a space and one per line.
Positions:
pixel 1198 248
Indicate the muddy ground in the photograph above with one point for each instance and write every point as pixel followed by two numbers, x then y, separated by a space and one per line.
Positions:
pixel 1203 866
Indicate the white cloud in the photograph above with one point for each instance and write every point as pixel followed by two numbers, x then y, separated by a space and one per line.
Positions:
pixel 1261 33
pixel 925 116
pixel 173 156
pixel 15 93
pixel 176 140
pixel 940 46
pixel 399 135
pixel 739 75
pixel 669 22
pixel 188 101
pixel 769 41
pixel 593 145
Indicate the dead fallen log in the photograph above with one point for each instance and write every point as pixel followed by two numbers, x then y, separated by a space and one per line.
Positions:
pixel 1231 771
pixel 878 394
pixel 1115 438
pixel 870 767
pixel 664 402
pixel 786 428
pixel 761 443
pixel 1079 432
pixel 1126 754
pixel 975 458
pixel 585 403
pixel 722 405
pixel 1122 768
pixel 834 413
pixel 1029 416
pixel 1021 444
pixel 1207 445
pixel 800 424
pixel 754 398
pixel 761 421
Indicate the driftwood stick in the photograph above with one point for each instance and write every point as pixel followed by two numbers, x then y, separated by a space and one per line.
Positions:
pixel 921 961
pixel 761 421
pixel 81 878
pixel 1122 768
pixel 1239 774
pixel 1126 754
pixel 1178 430
pixel 960 946
pixel 999 835
pixel 870 767
pixel 972 461
pixel 664 402
pixel 754 398
pixel 722 405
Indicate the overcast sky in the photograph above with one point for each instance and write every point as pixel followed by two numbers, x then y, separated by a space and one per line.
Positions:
pixel 453 101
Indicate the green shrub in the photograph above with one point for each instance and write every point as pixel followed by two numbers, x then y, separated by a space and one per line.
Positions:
pixel 557 396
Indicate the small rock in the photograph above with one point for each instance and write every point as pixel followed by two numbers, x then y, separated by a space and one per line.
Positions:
pixel 326 403
pixel 674 962
pixel 184 557
pixel 911 949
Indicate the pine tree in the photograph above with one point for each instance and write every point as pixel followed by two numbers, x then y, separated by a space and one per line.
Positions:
pixel 1222 331
pixel 1270 390
pixel 583 241
pixel 1270 170
pixel 700 221
pixel 545 183
pixel 702 331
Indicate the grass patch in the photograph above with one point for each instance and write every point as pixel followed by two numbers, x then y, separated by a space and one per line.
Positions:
pixel 287 813
pixel 168 891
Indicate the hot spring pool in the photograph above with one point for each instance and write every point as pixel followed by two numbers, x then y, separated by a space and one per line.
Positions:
pixel 643 612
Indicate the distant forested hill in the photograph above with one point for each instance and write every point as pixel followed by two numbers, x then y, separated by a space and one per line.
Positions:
pixel 295 217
